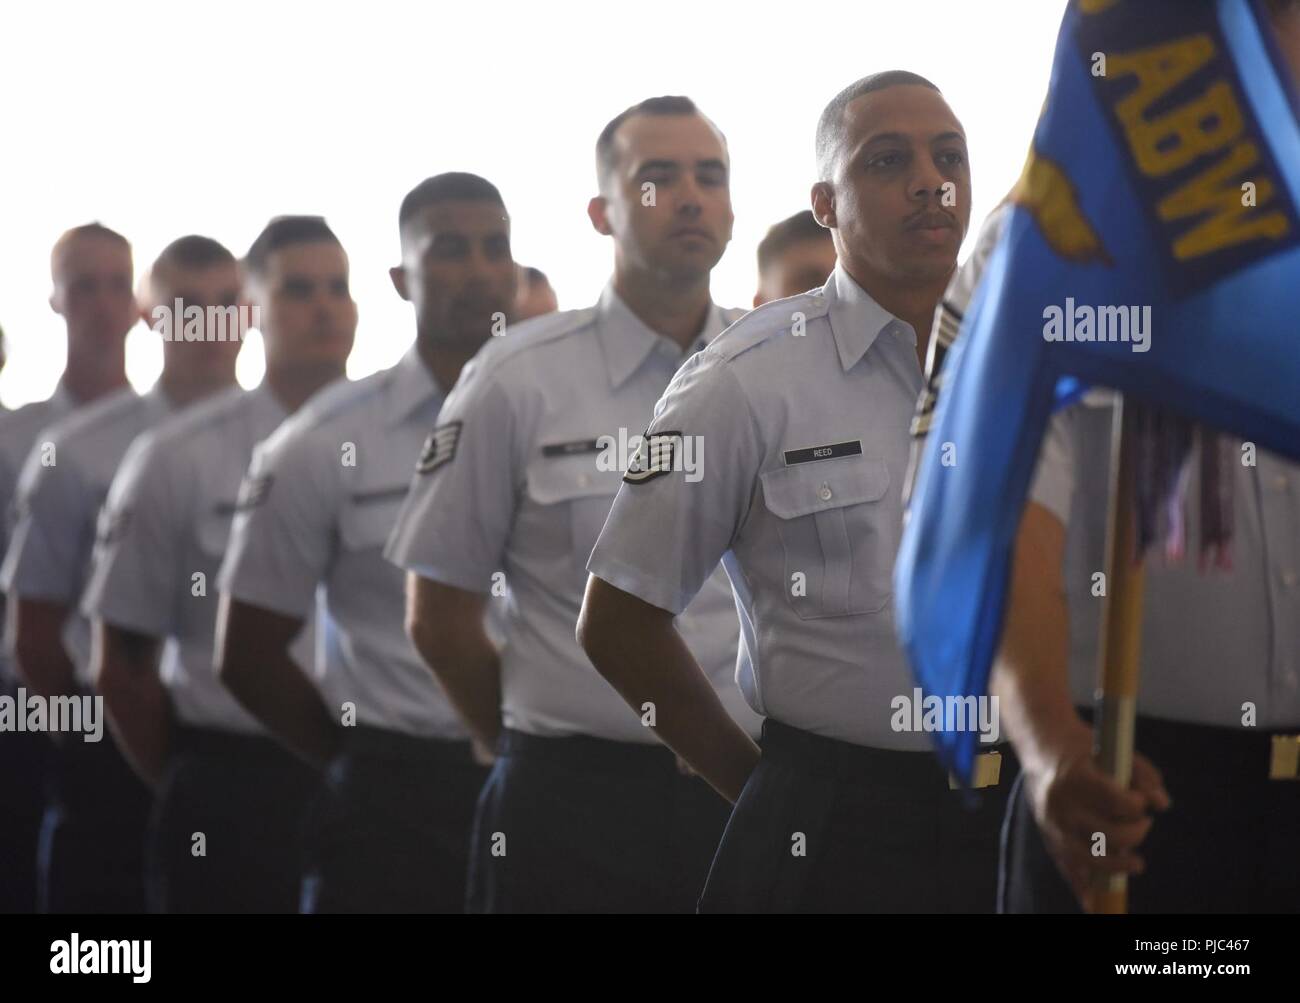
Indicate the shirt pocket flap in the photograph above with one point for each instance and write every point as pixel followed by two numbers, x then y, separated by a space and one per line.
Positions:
pixel 552 480
pixel 806 488
pixel 214 529
pixel 368 519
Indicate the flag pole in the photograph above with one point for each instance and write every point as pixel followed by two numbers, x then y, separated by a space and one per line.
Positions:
pixel 1119 663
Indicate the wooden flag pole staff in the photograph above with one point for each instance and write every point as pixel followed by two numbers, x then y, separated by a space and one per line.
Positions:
pixel 1121 636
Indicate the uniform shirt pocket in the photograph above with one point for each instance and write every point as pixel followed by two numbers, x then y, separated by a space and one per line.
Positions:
pixel 367 521
pixel 586 494
pixel 837 530
pixel 214 530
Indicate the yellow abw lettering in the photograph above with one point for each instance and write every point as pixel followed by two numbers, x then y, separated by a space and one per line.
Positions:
pixel 1216 191
pixel 1178 137
pixel 1174 140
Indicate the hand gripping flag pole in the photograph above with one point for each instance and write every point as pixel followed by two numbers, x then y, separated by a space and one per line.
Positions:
pixel 1164 182
pixel 1119 662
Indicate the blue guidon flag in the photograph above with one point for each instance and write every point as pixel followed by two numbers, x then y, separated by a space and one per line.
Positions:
pixel 1153 247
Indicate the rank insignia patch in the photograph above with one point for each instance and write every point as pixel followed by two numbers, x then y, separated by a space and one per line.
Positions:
pixel 653 458
pixel 252 492
pixel 439 447
pixel 112 525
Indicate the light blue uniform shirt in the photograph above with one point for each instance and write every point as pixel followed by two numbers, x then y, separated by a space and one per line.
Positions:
pixel 1212 640
pixel 62 486
pixel 335 475
pixel 803 408
pixel 18 431
pixel 513 482
pixel 162 536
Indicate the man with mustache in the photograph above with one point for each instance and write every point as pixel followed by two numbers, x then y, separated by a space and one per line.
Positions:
pixel 224 834
pixel 583 811
pixel 393 831
pixel 804 408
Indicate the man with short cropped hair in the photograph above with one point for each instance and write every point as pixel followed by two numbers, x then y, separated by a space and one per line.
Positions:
pixel 91 270
pixel 225 830
pixel 401 779
pixel 583 811
pixel 90 848
pixel 803 406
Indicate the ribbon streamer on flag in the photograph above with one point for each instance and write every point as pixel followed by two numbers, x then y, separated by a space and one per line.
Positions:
pixel 1154 248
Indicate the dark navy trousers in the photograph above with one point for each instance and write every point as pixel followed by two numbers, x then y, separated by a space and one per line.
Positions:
pixel 585 825
pixel 23 758
pixel 91 845
pixel 246 796
pixel 827 826
pixel 390 832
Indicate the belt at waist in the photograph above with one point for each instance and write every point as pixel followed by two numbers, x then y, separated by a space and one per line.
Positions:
pixel 845 761
pixel 226 744
pixel 1254 753
pixel 384 743
pixel 586 752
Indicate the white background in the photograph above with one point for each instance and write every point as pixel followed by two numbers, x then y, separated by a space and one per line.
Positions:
pixel 161 119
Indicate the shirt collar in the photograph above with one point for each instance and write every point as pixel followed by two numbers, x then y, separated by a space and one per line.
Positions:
pixel 413 388
pixel 625 340
pixel 856 319
pixel 264 406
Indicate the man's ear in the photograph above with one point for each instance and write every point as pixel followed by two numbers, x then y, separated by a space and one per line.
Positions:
pixel 398 275
pixel 823 204
pixel 598 213
pixel 56 302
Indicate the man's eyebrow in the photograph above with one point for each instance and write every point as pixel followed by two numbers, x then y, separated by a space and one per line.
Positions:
pixel 901 137
pixel 656 165
pixel 711 162
pixel 882 137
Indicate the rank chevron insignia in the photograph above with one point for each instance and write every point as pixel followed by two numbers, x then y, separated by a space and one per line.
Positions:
pixel 439 447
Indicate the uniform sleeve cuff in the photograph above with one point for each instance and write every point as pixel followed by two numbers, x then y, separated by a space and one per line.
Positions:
pixel 133 619
pixel 278 600
pixel 635 582
pixel 478 582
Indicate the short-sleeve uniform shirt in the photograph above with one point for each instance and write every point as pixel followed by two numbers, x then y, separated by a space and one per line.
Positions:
pixel 162 537
pixel 803 408
pixel 517 479
pixel 18 431
pixel 329 484
pixel 1213 641
pixel 60 491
